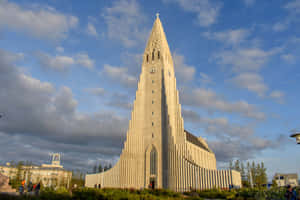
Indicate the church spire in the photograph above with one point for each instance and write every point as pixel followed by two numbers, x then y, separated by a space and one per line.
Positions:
pixel 157 41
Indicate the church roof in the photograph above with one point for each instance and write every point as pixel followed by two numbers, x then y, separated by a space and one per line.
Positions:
pixel 194 140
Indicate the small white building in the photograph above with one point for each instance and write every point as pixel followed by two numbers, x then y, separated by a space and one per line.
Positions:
pixel 286 179
pixel 50 175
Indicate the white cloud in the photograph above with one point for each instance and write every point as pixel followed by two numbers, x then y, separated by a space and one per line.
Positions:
pixel 220 127
pixel 91 30
pixel 244 59
pixel 205 79
pixel 59 63
pixel 119 74
pixel 183 71
pixel 60 49
pixel 232 140
pixel 288 58
pixel 95 91
pixel 209 100
pixel 249 2
pixel 125 22
pixel 63 63
pixel 39 22
pixel 278 96
pixel 293 6
pixel 229 37
pixel 207 11
pixel 251 81
pixel 84 60
pixel 281 26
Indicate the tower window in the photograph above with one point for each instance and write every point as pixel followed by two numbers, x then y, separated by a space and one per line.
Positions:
pixel 152 91
pixel 152 123
pixel 152 113
pixel 147 58
pixel 152 135
pixel 152 81
pixel 153 55
pixel 152 102
pixel 158 55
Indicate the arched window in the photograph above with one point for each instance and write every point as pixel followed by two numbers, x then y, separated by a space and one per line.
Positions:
pixel 153 161
pixel 158 55
pixel 153 55
pixel 147 58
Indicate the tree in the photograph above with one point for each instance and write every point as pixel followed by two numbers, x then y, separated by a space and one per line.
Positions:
pixel 100 168
pixel 230 165
pixel 105 168
pixel 237 166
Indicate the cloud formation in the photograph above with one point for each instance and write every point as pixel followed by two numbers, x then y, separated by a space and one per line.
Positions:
pixel 119 74
pixel 63 63
pixel 39 115
pixel 206 11
pixel 125 22
pixel 209 100
pixel 232 140
pixel 183 71
pixel 40 22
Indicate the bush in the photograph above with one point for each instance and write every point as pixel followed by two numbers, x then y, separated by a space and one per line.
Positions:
pixel 145 194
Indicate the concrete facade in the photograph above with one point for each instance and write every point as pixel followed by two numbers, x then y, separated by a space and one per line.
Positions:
pixel 158 151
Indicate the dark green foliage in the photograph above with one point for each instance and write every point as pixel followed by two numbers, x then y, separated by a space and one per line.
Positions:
pixel 256 172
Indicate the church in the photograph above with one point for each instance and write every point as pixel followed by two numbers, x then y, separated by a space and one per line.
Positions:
pixel 158 151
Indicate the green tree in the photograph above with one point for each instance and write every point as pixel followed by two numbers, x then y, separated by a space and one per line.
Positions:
pixel 237 166
pixel 231 165
pixel 100 168
pixel 95 169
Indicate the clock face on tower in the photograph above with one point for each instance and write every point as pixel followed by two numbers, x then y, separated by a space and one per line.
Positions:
pixel 152 70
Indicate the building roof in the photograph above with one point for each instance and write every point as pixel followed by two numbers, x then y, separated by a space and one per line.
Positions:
pixel 195 140
pixel 293 176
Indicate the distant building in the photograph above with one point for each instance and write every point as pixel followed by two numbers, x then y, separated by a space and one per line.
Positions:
pixel 50 175
pixel 286 179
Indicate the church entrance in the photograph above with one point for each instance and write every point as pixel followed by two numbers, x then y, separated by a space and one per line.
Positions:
pixel 152 183
pixel 153 168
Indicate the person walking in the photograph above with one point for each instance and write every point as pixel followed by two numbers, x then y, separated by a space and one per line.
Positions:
pixel 21 189
pixel 29 187
pixel 289 193
pixel 37 189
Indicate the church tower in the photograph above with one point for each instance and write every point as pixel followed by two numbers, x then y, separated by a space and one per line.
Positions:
pixel 158 152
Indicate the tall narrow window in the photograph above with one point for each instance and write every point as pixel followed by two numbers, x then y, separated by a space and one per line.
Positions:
pixel 153 55
pixel 158 55
pixel 153 161
pixel 147 58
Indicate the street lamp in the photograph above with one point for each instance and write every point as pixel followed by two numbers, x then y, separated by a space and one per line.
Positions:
pixel 297 136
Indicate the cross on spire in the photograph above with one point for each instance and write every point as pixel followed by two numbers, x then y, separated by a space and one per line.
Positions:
pixel 157 15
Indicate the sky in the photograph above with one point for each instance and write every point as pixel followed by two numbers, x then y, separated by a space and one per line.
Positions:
pixel 69 71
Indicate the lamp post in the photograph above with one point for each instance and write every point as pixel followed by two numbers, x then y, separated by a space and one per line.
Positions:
pixel 297 136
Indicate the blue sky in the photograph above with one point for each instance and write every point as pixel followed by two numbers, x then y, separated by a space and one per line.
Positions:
pixel 69 71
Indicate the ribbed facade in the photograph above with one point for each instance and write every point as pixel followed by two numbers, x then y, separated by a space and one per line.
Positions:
pixel 158 151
